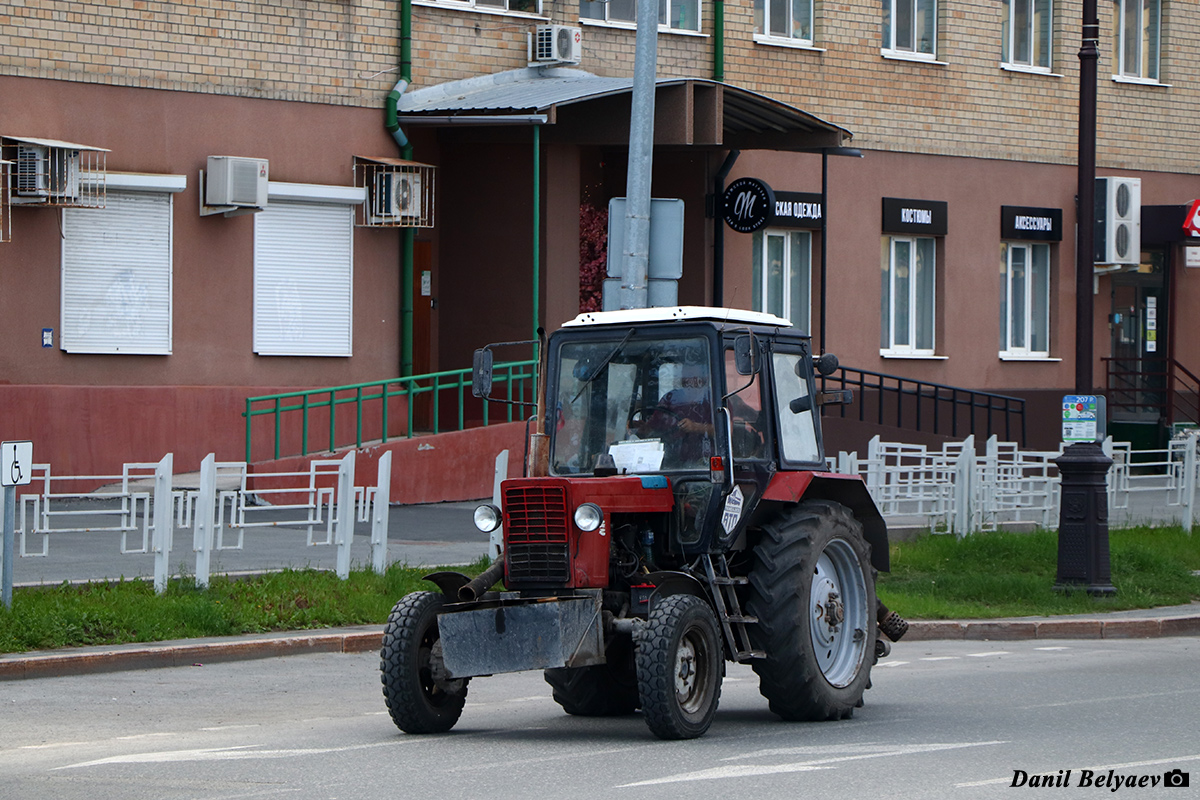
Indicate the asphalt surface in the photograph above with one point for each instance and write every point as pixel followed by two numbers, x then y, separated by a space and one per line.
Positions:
pixel 1181 620
pixel 427 535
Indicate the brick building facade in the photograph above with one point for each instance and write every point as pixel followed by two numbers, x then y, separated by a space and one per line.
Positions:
pixel 954 118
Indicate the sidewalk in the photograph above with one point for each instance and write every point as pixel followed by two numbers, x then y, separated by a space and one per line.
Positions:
pixel 1181 620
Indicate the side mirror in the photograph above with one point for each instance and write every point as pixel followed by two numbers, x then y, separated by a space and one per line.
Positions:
pixel 745 354
pixel 827 364
pixel 481 373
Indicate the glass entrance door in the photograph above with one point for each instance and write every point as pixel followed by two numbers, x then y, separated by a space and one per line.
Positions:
pixel 1138 364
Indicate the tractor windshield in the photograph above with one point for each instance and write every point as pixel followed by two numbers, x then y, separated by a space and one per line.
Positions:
pixel 647 403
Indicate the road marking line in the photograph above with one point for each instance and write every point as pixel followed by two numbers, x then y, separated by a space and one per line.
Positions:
pixel 940 658
pixel 1151 763
pixel 239 753
pixel 750 770
pixel 1051 648
pixel 1110 699
pixel 239 727
pixel 892 664
pixel 991 653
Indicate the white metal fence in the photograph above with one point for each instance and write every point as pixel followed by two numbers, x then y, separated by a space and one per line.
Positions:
pixel 142 505
pixel 958 489
pixel 955 489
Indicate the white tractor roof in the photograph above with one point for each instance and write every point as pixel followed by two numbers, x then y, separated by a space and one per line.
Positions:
pixel 735 316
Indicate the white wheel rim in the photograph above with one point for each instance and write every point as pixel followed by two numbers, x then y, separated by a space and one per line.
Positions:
pixel 838 613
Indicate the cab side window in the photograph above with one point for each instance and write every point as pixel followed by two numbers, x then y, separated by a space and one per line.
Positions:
pixel 745 411
pixel 797 430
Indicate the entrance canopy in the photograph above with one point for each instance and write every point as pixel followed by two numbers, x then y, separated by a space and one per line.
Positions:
pixel 584 108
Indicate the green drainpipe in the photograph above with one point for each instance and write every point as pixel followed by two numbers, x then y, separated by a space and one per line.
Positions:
pixel 537 230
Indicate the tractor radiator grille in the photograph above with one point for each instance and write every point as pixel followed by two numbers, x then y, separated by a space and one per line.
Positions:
pixel 535 533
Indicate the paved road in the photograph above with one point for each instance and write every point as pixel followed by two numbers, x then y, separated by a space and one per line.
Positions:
pixel 422 535
pixel 944 720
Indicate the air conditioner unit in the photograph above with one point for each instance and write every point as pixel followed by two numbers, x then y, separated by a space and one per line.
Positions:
pixel 235 181
pixel 46 172
pixel 1118 221
pixel 397 196
pixel 557 44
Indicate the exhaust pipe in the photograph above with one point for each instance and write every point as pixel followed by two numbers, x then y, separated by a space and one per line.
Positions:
pixel 891 624
pixel 474 589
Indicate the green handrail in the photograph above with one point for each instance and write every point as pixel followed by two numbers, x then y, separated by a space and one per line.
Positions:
pixel 516 374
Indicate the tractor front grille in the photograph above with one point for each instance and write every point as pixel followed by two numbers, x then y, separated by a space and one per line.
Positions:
pixel 535 532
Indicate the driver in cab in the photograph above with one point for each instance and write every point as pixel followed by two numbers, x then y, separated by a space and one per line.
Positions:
pixel 683 419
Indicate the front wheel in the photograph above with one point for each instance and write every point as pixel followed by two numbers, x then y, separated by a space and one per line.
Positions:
pixel 601 690
pixel 420 697
pixel 679 664
pixel 813 591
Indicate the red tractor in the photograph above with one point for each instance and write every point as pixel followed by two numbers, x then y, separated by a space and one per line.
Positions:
pixel 676 513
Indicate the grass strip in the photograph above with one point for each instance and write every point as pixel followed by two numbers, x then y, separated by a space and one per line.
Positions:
pixel 1003 574
pixel 983 576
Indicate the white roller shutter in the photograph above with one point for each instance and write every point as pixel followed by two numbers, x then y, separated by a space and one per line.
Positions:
pixel 303 273
pixel 116 276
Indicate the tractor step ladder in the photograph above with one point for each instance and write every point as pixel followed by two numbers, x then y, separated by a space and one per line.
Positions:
pixel 733 621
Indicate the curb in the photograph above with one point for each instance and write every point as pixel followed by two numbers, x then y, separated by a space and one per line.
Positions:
pixel 1013 630
pixel 58 663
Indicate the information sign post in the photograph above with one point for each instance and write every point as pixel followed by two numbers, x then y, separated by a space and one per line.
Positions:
pixel 16 469
pixel 1083 559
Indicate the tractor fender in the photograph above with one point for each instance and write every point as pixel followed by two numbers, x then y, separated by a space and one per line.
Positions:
pixel 449 583
pixel 669 582
pixel 850 491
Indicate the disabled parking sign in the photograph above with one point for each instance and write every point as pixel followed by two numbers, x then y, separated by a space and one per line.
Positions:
pixel 1083 418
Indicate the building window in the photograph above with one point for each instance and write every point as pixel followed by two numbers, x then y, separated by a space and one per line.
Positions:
pixel 116 276
pixel 525 6
pixel 1137 26
pixel 303 274
pixel 1027 32
pixel 782 283
pixel 907 305
pixel 1025 300
pixel 678 15
pixel 786 19
pixel 910 28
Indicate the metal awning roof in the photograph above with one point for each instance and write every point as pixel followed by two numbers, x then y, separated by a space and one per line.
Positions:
pixel 56 143
pixel 746 119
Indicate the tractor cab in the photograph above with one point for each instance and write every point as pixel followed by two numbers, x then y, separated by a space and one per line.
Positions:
pixel 714 400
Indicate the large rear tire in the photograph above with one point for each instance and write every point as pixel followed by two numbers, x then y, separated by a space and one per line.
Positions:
pixel 420 697
pixel 602 690
pixel 679 664
pixel 813 590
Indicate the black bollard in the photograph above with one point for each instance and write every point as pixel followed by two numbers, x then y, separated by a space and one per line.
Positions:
pixel 1083 561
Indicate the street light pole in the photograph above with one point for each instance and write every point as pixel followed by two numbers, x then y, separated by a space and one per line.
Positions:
pixel 1089 54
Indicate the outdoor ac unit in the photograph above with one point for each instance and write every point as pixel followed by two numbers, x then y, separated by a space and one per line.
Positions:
pixel 397 195
pixel 235 181
pixel 1118 221
pixel 557 44
pixel 48 172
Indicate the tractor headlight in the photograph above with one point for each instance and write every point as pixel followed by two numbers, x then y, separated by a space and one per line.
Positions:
pixel 488 518
pixel 588 517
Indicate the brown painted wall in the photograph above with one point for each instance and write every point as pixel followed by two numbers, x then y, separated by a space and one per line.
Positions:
pixel 968 296
pixel 174 132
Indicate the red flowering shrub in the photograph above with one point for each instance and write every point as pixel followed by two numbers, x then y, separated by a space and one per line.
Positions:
pixel 593 256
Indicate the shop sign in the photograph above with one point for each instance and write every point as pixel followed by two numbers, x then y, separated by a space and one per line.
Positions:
pixel 922 217
pixel 1036 224
pixel 1191 256
pixel 1191 222
pixel 748 205
pixel 798 210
